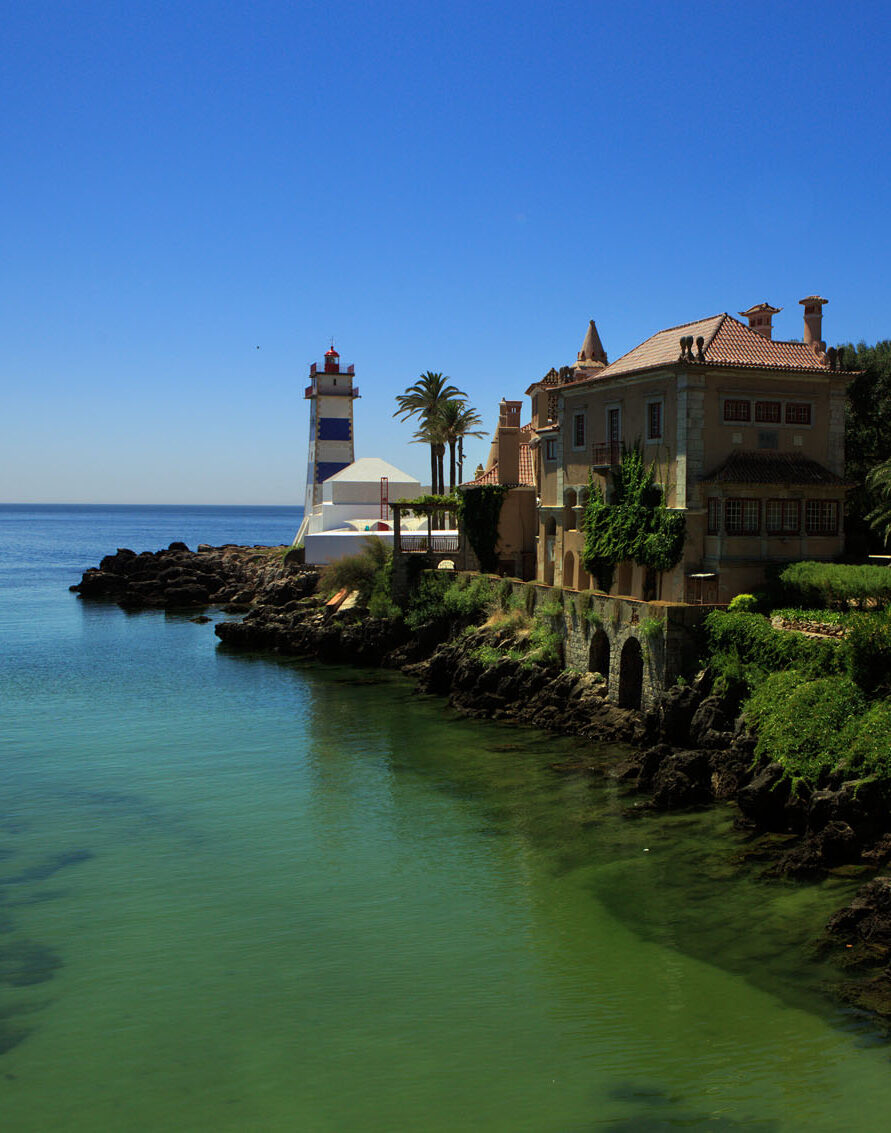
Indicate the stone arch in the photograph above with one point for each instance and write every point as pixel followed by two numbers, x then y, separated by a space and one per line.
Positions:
pixel 550 551
pixel 569 571
pixel 583 580
pixel 598 653
pixel 570 519
pixel 631 674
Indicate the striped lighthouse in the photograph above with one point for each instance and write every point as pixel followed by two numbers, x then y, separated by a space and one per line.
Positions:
pixel 330 393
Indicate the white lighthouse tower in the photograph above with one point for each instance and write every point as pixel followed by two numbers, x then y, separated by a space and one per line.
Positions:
pixel 330 393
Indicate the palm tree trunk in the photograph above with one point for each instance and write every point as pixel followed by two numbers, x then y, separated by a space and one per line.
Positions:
pixel 440 454
pixel 433 469
pixel 452 443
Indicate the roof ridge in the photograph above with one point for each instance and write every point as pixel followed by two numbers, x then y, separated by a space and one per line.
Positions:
pixel 666 330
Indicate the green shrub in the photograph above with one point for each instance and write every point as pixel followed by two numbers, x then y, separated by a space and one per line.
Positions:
pixel 836 585
pixel 747 647
pixel 744 603
pixel 651 628
pixel 549 609
pixel 358 572
pixel 869 742
pixel 804 724
pixel 867 651
pixel 460 599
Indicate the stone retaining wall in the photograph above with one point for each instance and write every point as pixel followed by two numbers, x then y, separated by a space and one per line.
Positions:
pixel 640 647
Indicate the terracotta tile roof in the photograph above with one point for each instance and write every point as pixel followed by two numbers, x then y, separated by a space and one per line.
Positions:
pixel 527 471
pixel 726 342
pixel 771 468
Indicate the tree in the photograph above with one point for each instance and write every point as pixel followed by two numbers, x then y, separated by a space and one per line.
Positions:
pixel 431 433
pixel 878 484
pixel 867 441
pixel 458 420
pixel 425 400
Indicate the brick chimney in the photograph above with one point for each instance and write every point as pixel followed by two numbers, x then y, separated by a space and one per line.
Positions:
pixel 761 318
pixel 813 320
pixel 509 442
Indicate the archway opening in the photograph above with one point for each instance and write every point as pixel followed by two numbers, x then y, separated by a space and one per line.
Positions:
pixel 598 654
pixel 569 571
pixel 631 675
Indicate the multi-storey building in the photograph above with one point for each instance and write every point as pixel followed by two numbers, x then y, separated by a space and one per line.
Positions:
pixel 746 433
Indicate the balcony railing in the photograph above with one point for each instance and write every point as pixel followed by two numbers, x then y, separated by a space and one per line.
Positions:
pixel 420 544
pixel 606 454
pixel 311 392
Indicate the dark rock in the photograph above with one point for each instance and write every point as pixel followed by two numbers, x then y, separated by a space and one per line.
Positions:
pixel 683 779
pixel 177 546
pixel 764 799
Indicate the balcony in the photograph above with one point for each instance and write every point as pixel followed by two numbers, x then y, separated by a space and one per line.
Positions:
pixel 606 454
pixel 310 391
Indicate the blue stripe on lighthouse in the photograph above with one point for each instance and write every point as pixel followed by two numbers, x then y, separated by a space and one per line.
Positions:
pixel 327 468
pixel 334 428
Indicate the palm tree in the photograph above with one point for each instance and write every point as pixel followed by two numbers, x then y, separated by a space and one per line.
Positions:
pixel 424 400
pixel 458 420
pixel 431 433
pixel 878 481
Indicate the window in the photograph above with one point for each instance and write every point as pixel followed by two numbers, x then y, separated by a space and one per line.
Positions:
pixel 768 412
pixel 821 517
pixel 714 515
pixel 735 409
pixel 798 413
pixel 654 420
pixel 742 517
pixel 551 449
pixel 783 517
pixel 614 425
pixel 578 430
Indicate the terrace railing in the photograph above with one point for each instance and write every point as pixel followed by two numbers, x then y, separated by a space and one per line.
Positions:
pixel 420 544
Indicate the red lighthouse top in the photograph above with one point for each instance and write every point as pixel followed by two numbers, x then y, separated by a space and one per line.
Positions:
pixel 332 361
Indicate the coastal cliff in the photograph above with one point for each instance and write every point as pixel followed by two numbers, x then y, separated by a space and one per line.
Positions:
pixel 692 749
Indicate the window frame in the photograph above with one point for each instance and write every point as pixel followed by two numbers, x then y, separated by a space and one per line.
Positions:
pixel 760 419
pixel 655 403
pixel 738 401
pixel 550 453
pixel 784 504
pixel 742 501
pixel 819 529
pixel 579 418
pixel 791 406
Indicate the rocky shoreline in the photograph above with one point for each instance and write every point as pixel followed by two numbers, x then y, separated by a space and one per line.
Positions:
pixel 692 750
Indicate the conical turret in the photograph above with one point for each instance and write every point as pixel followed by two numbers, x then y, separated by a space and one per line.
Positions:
pixel 592 355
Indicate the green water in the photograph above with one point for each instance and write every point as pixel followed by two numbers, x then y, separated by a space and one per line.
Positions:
pixel 242 894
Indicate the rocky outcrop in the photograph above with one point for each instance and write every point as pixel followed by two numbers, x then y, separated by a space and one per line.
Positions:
pixel 234 577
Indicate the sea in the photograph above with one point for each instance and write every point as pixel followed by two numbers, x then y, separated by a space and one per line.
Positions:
pixel 241 892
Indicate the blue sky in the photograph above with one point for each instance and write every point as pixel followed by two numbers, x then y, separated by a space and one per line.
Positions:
pixel 455 187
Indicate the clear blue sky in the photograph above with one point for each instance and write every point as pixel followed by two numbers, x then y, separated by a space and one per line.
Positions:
pixel 455 187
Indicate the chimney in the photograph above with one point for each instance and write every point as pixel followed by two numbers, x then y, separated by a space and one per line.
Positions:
pixel 509 442
pixel 761 318
pixel 813 320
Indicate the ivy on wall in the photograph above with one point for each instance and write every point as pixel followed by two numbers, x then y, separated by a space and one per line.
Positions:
pixel 637 526
pixel 478 514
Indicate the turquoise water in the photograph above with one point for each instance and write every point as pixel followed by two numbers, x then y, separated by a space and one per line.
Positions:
pixel 243 894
